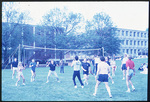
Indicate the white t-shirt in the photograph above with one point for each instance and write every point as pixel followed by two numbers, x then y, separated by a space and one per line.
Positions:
pixel 112 63
pixel 97 59
pixel 76 65
pixel 103 68
pixel 124 60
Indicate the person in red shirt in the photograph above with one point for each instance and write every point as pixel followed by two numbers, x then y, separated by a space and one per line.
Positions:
pixel 130 72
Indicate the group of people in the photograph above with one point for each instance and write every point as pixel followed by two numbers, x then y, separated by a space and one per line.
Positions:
pixel 100 68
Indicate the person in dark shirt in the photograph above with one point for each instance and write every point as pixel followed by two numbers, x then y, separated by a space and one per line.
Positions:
pixel 14 67
pixel 61 66
pixel 33 65
pixel 86 70
pixel 52 66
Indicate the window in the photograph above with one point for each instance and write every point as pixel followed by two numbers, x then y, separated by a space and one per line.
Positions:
pixel 126 42
pixel 127 51
pixel 122 33
pixel 123 50
pixel 134 34
pixel 145 43
pixel 134 51
pixel 130 42
pixel 141 43
pixel 131 51
pixel 118 32
pixel 134 42
pixel 138 42
pixel 141 34
pixel 145 35
pixel 130 33
pixel 137 34
pixel 126 33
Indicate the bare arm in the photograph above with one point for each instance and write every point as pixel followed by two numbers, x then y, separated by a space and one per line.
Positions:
pixel 82 68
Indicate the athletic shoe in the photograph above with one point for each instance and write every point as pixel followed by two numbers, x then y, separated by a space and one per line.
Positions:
pixel 23 84
pixel 87 83
pixel 12 77
pixel 75 86
pixel 82 86
pixel 112 82
pixel 123 78
pixel 94 94
pixel 31 80
pixel 58 81
pixel 47 81
pixel 16 84
pixel 128 91
pixel 133 89
pixel 110 96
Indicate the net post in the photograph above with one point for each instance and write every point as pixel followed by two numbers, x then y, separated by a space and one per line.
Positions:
pixel 19 53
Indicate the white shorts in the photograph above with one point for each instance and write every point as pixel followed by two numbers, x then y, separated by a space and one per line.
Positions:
pixel 20 74
pixel 15 68
pixel 52 72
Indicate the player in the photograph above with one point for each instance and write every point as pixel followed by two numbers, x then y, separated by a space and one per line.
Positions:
pixel 123 66
pixel 61 66
pixel 76 64
pixel 93 65
pixel 107 61
pixel 130 72
pixel 86 70
pixel 52 66
pixel 14 67
pixel 33 65
pixel 96 62
pixel 113 66
pixel 20 68
pixel 102 75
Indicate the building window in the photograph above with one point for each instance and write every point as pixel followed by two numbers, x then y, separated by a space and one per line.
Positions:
pixel 145 35
pixel 137 34
pixel 138 42
pixel 122 33
pixel 131 51
pixel 126 42
pixel 134 51
pixel 122 42
pixel 134 34
pixel 123 50
pixel 134 42
pixel 126 33
pixel 141 34
pixel 141 43
pixel 130 33
pixel 127 51
pixel 130 42
pixel 145 43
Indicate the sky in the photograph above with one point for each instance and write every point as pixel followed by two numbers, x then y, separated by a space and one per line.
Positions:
pixel 129 15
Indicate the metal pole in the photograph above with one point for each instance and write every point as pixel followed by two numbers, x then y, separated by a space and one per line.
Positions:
pixel 19 54
pixel 24 57
pixel 103 50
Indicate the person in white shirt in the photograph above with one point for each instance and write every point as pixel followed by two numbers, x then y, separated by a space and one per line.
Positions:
pixel 102 75
pixel 123 66
pixel 113 66
pixel 97 60
pixel 76 64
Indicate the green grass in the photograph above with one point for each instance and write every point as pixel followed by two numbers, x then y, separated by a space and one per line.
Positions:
pixel 39 90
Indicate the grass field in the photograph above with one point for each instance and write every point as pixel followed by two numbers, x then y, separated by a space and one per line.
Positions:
pixel 39 90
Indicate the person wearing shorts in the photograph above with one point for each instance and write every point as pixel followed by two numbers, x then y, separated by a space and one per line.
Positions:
pixel 20 74
pixel 113 66
pixel 130 72
pixel 76 64
pixel 52 66
pixel 14 67
pixel 108 62
pixel 86 70
pixel 123 66
pixel 33 65
pixel 102 75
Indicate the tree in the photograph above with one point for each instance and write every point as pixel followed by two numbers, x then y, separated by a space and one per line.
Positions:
pixel 12 21
pixel 61 27
pixel 100 32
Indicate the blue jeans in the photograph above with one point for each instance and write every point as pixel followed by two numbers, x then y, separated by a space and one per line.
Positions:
pixel 62 69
